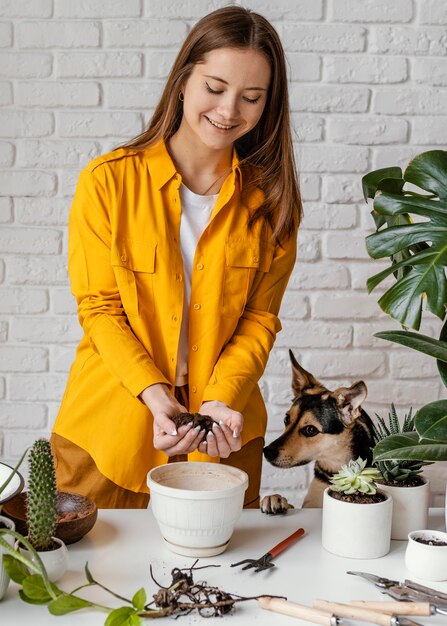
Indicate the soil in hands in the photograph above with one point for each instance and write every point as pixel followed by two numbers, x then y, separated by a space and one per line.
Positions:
pixel 430 541
pixel 358 498
pixel 204 421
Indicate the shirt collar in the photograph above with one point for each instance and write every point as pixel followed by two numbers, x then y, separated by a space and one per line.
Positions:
pixel 162 168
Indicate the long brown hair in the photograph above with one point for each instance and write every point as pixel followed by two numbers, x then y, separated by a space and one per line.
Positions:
pixel 266 152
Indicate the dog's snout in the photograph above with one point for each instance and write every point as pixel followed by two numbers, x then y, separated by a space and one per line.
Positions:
pixel 270 453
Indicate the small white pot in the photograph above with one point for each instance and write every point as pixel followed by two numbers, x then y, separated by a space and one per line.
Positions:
pixel 423 560
pixel 410 508
pixel 356 531
pixel 55 561
pixel 4 578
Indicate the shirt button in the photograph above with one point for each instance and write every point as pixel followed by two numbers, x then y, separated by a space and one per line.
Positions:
pixel 199 266
pixel 174 318
pixel 194 348
pixel 255 259
pixel 172 359
pixel 197 306
pixel 194 389
pixel 123 257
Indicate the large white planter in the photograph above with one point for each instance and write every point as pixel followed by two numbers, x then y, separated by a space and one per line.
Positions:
pixel 4 578
pixel 356 531
pixel 410 508
pixel 197 505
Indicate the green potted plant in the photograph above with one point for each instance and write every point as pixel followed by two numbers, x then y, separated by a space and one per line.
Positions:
pixel 418 254
pixel 42 510
pixel 11 484
pixel 402 479
pixel 356 514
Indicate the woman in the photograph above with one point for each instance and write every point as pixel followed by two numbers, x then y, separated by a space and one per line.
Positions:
pixel 181 244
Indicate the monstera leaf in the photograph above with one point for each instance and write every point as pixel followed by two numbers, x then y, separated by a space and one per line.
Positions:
pixel 418 251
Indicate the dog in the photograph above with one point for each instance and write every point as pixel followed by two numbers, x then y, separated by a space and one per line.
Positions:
pixel 328 427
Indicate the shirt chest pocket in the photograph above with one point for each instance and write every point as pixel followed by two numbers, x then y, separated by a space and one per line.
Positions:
pixel 243 259
pixel 133 263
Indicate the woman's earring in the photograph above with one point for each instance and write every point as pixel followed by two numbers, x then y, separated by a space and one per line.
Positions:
pixel 181 97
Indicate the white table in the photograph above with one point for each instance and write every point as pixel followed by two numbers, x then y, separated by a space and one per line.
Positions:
pixel 123 543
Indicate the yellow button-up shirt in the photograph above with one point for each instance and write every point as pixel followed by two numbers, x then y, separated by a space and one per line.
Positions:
pixel 126 272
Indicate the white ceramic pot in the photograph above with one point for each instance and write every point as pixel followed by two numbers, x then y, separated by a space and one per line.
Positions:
pixel 410 508
pixel 423 560
pixel 356 531
pixel 55 561
pixel 15 485
pixel 4 578
pixel 197 505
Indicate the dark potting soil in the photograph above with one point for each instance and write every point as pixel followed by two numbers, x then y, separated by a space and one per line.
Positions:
pixel 414 481
pixel 358 498
pixel 204 421
pixel 430 542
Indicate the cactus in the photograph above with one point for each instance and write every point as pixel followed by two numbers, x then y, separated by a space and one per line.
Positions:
pixel 42 496
pixel 396 471
pixel 355 477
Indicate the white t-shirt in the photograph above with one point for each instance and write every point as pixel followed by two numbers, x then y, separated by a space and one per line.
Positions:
pixel 196 212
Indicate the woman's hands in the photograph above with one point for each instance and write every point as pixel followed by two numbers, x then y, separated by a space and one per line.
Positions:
pixel 163 406
pixel 224 439
pixel 226 435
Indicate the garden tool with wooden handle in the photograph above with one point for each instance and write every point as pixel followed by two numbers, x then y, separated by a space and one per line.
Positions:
pixel 300 611
pixel 397 608
pixel 265 561
pixel 364 615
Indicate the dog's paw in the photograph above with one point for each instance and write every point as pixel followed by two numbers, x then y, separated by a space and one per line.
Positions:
pixel 275 505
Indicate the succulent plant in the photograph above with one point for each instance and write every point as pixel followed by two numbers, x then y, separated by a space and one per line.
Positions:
pixel 42 496
pixel 355 477
pixel 396 471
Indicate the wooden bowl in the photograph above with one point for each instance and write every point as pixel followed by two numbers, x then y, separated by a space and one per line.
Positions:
pixel 69 530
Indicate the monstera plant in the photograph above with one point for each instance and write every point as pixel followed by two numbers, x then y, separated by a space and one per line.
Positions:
pixel 417 249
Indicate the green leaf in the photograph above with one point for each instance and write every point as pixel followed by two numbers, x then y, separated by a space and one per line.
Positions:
pixel 66 603
pixel 442 365
pixel 16 571
pixel 139 599
pixel 403 300
pixel 88 574
pixel 408 447
pixel 431 421
pixel 429 171
pixel 428 257
pixel 34 588
pixel 124 616
pixel 25 598
pixel 395 238
pixel 417 341
pixel 371 181
pixel 391 204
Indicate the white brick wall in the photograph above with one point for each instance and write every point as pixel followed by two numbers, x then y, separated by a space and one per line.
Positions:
pixel 368 89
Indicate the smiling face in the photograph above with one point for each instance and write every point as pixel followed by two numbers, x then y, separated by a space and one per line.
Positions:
pixel 224 97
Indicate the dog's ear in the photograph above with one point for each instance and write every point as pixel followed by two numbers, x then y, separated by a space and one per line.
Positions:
pixel 349 400
pixel 301 379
